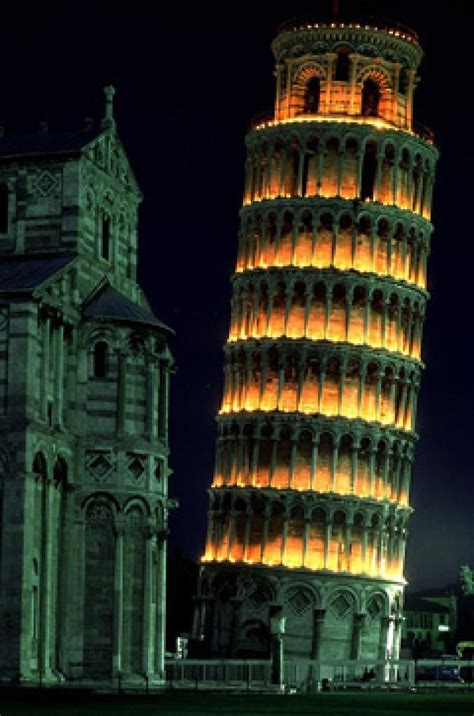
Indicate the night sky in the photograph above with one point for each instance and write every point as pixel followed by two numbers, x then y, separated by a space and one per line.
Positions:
pixel 188 82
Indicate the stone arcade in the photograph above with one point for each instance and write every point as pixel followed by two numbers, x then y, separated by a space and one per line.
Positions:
pixel 309 505
pixel 84 376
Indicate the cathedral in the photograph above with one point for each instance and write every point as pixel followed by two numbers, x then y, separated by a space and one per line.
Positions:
pixel 310 500
pixel 84 385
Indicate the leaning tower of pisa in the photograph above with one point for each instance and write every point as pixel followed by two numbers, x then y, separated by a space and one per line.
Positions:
pixel 309 504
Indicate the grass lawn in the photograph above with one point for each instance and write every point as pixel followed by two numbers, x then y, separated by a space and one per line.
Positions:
pixel 178 704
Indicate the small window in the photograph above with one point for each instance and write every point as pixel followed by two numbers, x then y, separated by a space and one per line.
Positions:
pixel 370 98
pixel 311 96
pixel 100 360
pixel 342 66
pixel 105 238
pixel 3 208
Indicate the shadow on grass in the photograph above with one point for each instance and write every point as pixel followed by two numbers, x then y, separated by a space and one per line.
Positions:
pixel 23 702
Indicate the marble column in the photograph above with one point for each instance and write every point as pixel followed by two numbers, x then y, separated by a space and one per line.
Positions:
pixel 45 365
pixel 59 376
pixel 148 605
pixel 161 605
pixel 118 600
pixel 121 393
pixel 357 628
pixel 318 623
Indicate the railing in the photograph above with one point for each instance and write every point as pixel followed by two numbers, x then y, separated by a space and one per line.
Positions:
pixel 266 116
pixel 304 675
pixel 218 674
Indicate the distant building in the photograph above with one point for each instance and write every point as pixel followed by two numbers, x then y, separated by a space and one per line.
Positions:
pixel 84 381
pixel 430 624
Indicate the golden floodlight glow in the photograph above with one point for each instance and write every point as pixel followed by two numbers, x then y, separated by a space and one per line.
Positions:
pixel 377 123
pixel 316 429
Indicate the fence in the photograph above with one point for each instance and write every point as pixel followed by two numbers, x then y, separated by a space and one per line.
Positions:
pixel 215 674
pixel 303 675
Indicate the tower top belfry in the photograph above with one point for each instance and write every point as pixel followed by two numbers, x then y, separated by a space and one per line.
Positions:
pixel 358 71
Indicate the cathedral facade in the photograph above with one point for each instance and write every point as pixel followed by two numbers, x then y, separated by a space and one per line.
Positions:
pixel 309 505
pixel 84 384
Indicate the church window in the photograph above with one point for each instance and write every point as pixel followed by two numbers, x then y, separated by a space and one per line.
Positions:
pixel 105 238
pixel 100 359
pixel 3 208
pixel 370 98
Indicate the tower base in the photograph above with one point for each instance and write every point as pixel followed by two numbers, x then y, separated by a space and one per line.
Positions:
pixel 324 616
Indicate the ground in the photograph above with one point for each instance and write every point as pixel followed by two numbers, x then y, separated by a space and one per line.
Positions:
pixel 179 704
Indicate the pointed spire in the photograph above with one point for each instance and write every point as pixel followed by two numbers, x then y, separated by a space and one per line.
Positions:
pixel 108 120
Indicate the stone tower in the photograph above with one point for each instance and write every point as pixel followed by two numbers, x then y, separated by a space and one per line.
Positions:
pixel 84 371
pixel 309 506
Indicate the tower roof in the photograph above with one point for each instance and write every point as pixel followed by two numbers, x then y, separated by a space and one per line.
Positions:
pixel 27 273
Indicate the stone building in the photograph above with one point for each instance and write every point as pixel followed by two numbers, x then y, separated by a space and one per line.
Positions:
pixel 84 381
pixel 430 623
pixel 309 505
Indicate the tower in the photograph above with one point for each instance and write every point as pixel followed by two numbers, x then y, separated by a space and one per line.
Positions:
pixel 84 368
pixel 309 505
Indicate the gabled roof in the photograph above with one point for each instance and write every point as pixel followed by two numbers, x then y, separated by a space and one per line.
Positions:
pixel 110 304
pixel 28 272
pixel 51 142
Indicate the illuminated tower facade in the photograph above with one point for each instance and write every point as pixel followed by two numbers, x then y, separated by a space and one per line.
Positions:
pixel 309 506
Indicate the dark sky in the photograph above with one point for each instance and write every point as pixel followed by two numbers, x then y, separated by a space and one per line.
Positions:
pixel 188 81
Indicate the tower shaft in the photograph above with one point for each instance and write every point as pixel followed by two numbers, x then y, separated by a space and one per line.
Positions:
pixel 309 505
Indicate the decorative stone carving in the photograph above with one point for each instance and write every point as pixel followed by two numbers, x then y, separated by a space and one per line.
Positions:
pixel 136 467
pixel 46 183
pixel 100 465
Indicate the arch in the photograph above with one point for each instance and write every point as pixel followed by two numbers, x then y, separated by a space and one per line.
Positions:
pixel 136 502
pixel 99 585
pixel 308 70
pixel 347 592
pixel 253 639
pixel 299 602
pixel 100 359
pixel 377 74
pixel 103 498
pixel 338 624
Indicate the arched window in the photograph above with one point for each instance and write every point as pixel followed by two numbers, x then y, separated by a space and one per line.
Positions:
pixel 369 170
pixel 370 98
pixel 311 96
pixel 342 66
pixel 105 238
pixel 3 208
pixel 100 359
